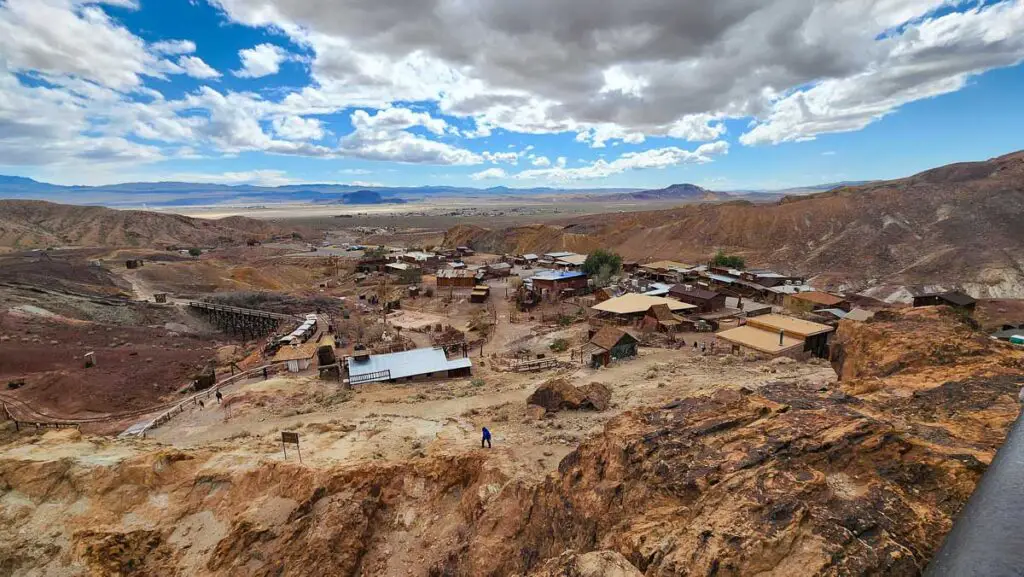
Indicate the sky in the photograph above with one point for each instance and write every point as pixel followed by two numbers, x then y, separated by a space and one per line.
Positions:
pixel 730 94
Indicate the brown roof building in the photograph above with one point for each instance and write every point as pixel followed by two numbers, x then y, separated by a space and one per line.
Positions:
pixel 610 344
pixel 814 300
pixel 706 301
pixel 660 317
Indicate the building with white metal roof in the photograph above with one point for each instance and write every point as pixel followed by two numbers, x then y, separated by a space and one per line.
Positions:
pixel 424 362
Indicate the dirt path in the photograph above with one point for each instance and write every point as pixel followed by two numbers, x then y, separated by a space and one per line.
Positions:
pixel 398 421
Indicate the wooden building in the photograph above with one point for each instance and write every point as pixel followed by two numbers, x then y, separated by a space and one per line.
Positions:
pixel 610 344
pixel 455 278
pixel 955 299
pixel 480 293
pixel 661 318
pixel 778 335
pixel 706 301
pixel 811 301
pixel 631 308
pixel 555 281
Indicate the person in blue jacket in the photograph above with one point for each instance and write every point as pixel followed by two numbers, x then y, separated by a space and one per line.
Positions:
pixel 486 439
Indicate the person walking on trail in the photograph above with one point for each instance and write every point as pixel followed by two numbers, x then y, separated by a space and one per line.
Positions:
pixel 220 396
pixel 266 373
pixel 486 439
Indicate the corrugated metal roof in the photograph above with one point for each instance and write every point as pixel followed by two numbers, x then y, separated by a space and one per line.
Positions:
pixel 561 254
pixel 838 313
pixel 556 275
pixel 407 363
pixel 573 259
pixel 722 278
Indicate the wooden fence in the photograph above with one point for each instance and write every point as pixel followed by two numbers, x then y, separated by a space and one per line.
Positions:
pixel 201 395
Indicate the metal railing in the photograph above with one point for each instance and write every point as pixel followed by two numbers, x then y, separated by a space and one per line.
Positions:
pixel 987 538
pixel 204 394
pixel 384 375
pixel 243 311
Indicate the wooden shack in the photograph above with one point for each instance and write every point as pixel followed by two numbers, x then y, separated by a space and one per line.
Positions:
pixel 610 344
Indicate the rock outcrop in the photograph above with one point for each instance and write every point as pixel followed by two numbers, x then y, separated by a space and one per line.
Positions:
pixel 561 395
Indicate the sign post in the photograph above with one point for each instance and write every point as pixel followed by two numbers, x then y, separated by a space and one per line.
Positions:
pixel 292 438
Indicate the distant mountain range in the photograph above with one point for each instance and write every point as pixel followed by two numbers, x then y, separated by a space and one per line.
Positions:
pixel 172 194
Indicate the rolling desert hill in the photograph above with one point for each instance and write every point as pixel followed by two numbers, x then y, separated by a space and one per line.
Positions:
pixel 37 224
pixel 680 192
pixel 957 225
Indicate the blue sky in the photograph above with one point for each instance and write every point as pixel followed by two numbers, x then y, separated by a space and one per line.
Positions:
pixel 739 94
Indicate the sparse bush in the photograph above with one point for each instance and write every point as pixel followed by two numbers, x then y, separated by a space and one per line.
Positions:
pixel 599 259
pixel 559 345
pixel 731 261
pixel 478 382
pixel 194 251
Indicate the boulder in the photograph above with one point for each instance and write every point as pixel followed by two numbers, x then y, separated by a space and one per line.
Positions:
pixel 594 564
pixel 559 395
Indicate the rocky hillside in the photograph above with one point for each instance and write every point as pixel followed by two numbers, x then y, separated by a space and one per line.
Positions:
pixel 34 224
pixel 958 225
pixel 861 477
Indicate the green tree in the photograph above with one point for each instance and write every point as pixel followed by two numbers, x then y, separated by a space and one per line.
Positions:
pixel 731 261
pixel 601 258
pixel 195 251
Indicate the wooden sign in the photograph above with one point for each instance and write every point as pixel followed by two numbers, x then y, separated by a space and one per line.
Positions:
pixel 292 438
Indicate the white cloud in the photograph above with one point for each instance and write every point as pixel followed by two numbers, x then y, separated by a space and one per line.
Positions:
pixel 173 47
pixel 930 58
pixel 829 153
pixel 615 74
pixel 265 177
pixel 196 68
pixel 298 128
pixel 501 157
pixel 260 60
pixel 65 37
pixel 365 183
pixel 653 158
pixel 391 119
pixel 489 173
pixel 540 161
pixel 355 171
pixel 402 146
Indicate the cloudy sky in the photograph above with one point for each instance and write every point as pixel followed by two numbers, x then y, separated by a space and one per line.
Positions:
pixel 576 93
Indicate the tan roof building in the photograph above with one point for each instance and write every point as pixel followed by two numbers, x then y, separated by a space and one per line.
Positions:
pixel 633 303
pixel 760 340
pixel 666 265
pixel 792 326
pixel 778 335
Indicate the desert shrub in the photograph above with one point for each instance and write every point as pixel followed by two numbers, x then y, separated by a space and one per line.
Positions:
pixel 195 251
pixel 731 261
pixel 559 345
pixel 478 382
pixel 600 258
